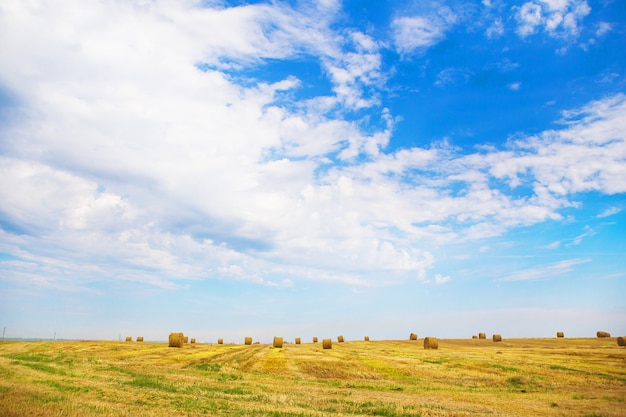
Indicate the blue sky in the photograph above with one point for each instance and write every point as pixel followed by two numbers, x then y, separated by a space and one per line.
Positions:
pixel 233 169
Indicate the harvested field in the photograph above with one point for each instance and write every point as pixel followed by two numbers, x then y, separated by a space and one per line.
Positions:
pixel 463 377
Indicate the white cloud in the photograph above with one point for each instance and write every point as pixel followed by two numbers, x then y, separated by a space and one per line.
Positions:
pixel 515 86
pixel 545 272
pixel 559 18
pixel 609 212
pixel 496 29
pixel 416 33
pixel 440 279
pixel 137 143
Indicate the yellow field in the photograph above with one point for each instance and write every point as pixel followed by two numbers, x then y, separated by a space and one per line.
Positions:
pixel 517 377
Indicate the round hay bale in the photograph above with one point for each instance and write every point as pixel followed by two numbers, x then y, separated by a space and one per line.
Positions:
pixel 366 338
pixel 482 335
pixel 193 340
pixel 327 343
pixel 298 341
pixel 278 342
pixel 603 334
pixel 431 343
pixel 474 337
pixel 497 338
pixel 412 336
pixel 315 339
pixel 220 341
pixel 185 339
pixel 621 341
pixel 560 334
pixel 129 338
pixel 248 340
pixel 140 338
pixel 176 340
pixel 339 339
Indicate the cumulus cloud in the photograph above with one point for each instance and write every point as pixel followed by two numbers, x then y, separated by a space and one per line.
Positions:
pixel 558 18
pixel 140 142
pixel 418 32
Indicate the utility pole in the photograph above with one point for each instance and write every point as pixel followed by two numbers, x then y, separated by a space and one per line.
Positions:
pixel 5 329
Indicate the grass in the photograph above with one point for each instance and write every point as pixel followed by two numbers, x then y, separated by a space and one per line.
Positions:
pixel 518 377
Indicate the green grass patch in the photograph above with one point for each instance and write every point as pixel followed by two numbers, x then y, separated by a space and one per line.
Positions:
pixel 147 381
pixel 41 367
pixel 209 367
pixel 501 367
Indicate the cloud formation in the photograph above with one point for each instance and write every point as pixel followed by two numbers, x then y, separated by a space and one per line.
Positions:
pixel 141 141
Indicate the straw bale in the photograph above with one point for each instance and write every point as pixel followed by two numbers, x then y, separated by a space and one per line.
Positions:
pixel 193 340
pixel 560 334
pixel 248 340
pixel 621 341
pixel 315 339
pixel 339 339
pixel 482 335
pixel 140 338
pixel 327 343
pixel 220 341
pixel 431 343
pixel 412 336
pixel 497 338
pixel 298 340
pixel 603 334
pixel 176 340
pixel 278 342
pixel 474 337
pixel 129 338
pixel 367 338
pixel 185 339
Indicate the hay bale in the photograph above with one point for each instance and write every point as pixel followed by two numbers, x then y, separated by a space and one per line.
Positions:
pixel 431 343
pixel 560 334
pixel 497 338
pixel 603 334
pixel 185 339
pixel 193 340
pixel 298 340
pixel 339 339
pixel 482 335
pixel 129 338
pixel 412 336
pixel 474 337
pixel 366 338
pixel 315 339
pixel 220 341
pixel 248 340
pixel 278 342
pixel 140 338
pixel 621 341
pixel 176 340
pixel 327 343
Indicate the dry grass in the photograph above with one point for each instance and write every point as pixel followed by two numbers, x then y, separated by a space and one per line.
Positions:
pixel 517 377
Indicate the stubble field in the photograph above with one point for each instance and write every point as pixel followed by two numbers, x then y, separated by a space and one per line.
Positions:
pixel 516 377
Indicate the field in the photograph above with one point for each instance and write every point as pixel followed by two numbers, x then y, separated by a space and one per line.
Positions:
pixel 516 377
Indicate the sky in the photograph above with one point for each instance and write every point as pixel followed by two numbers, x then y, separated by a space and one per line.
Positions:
pixel 312 168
